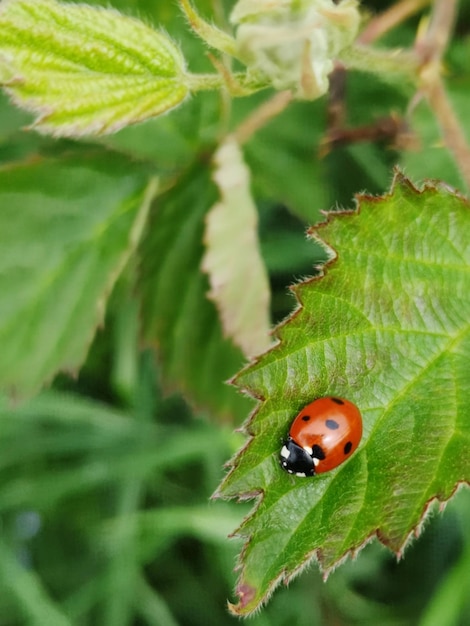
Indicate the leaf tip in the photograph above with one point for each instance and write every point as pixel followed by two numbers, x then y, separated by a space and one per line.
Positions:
pixel 246 599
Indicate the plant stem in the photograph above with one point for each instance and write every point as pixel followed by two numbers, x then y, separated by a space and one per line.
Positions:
pixel 219 14
pixel 239 84
pixel 390 18
pixel 262 115
pixel 385 63
pixel 212 35
pixel 430 49
pixel 452 132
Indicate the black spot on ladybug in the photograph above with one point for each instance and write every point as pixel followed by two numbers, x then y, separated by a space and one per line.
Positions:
pixel 347 447
pixel 337 400
pixel 317 452
pixel 332 424
pixel 305 418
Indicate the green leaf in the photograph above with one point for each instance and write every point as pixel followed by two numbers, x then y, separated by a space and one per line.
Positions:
pixel 177 317
pixel 67 228
pixel 387 327
pixel 232 255
pixel 86 70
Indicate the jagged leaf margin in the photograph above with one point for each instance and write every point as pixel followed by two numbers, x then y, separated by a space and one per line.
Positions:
pixel 383 473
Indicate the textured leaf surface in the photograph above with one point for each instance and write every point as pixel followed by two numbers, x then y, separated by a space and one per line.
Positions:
pixel 237 274
pixel 177 316
pixel 86 70
pixel 67 227
pixel 388 328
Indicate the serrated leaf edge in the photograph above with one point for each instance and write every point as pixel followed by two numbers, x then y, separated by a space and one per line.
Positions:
pixel 242 589
pixel 315 555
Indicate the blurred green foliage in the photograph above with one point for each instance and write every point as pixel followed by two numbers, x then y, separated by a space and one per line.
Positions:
pixel 105 479
pixel 105 520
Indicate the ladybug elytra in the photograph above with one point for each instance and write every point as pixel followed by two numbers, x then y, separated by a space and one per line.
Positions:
pixel 323 435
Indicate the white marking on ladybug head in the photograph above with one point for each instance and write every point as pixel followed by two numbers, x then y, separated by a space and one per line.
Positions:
pixel 301 474
pixel 285 453
pixel 308 450
pixel 316 461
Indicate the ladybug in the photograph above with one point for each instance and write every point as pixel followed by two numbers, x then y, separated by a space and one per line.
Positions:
pixel 323 435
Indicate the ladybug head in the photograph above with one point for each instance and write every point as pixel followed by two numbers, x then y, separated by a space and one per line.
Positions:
pixel 295 460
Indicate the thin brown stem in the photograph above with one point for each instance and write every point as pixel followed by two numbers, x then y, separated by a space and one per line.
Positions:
pixel 386 129
pixel 336 110
pixel 452 132
pixel 430 49
pixel 262 115
pixel 390 18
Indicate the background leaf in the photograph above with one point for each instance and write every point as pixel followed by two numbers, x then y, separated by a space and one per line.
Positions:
pixel 86 70
pixel 74 469
pixel 177 316
pixel 232 260
pixel 67 227
pixel 387 327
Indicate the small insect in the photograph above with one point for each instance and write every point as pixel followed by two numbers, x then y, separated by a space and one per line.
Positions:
pixel 323 435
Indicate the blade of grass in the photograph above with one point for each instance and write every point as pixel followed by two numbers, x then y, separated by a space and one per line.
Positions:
pixel 25 586
pixel 123 566
pixel 151 606
pixel 446 605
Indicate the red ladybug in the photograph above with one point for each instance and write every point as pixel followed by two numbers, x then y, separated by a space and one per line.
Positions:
pixel 323 435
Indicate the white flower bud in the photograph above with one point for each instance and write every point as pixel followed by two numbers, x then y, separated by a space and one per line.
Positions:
pixel 293 43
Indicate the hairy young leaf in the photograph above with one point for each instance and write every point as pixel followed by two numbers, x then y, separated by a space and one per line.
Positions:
pixel 232 260
pixel 86 70
pixel 177 317
pixel 67 227
pixel 387 327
